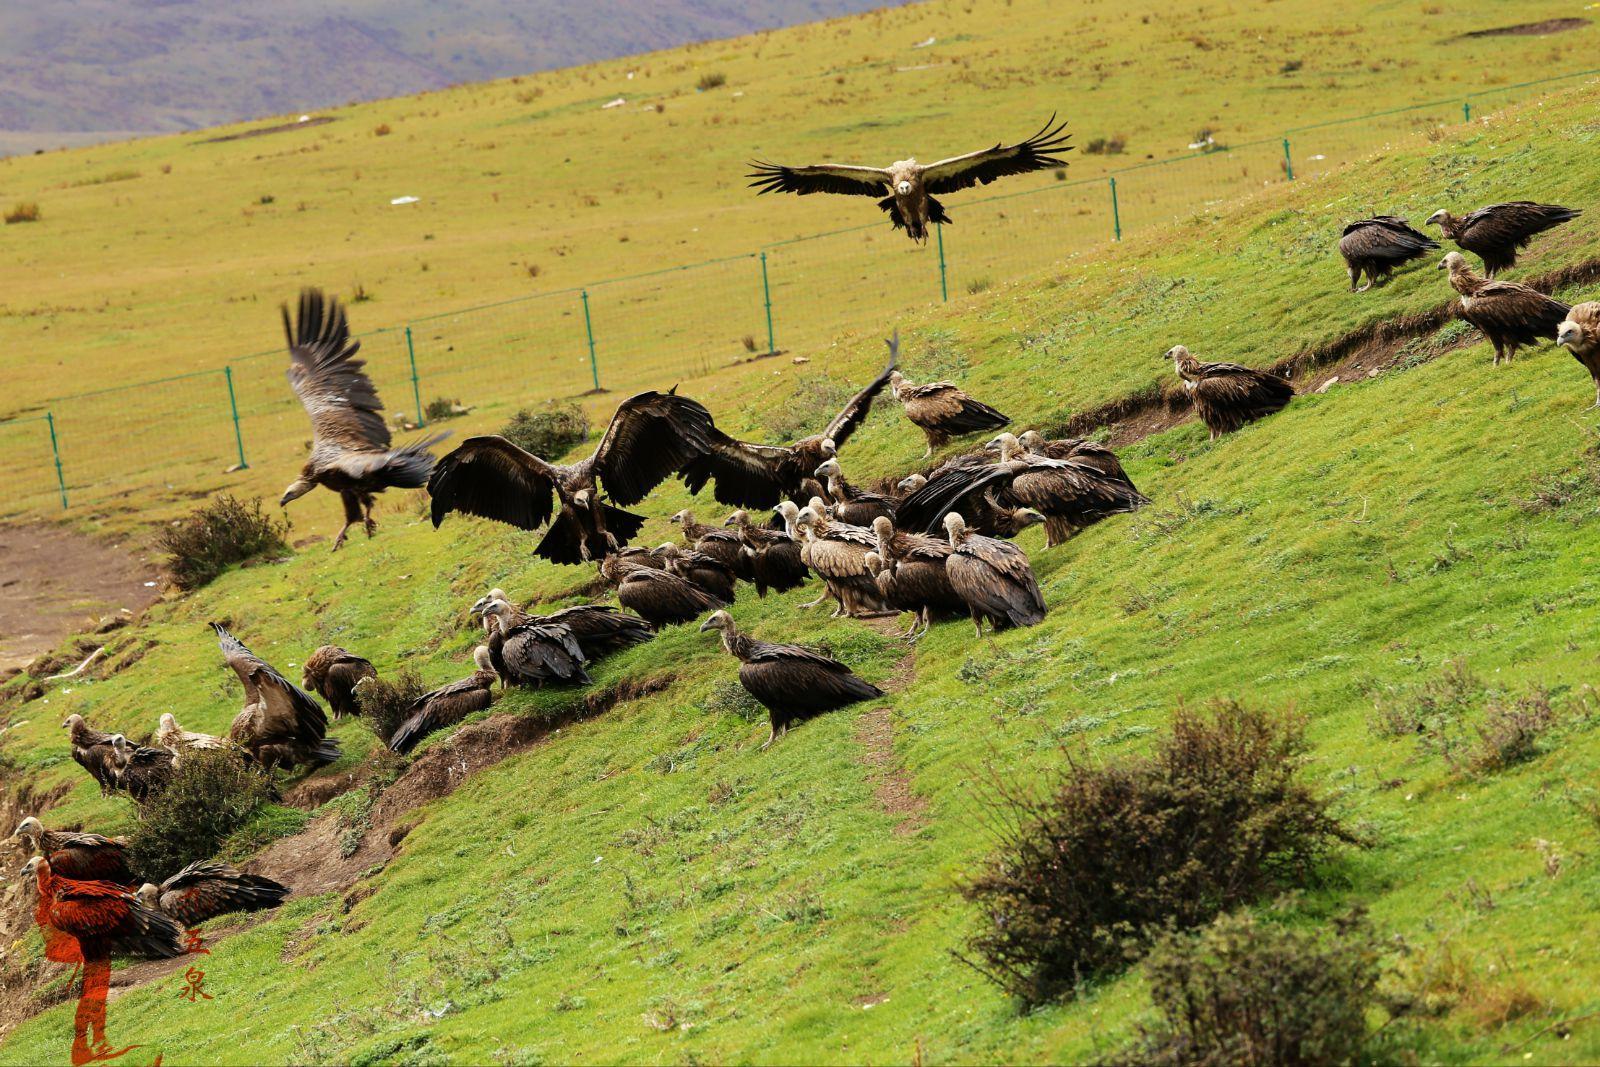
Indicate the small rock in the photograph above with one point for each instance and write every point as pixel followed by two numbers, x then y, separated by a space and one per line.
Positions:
pixel 1329 384
pixel 799 360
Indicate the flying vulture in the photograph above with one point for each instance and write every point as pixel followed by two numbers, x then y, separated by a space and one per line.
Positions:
pixel 350 450
pixel 721 544
pixel 907 187
pixel 142 772
pixel 448 704
pixel 80 856
pixel 838 551
pixel 102 917
pixel 1497 232
pixel 205 889
pixel 774 555
pixel 529 650
pixel 657 596
pixel 176 740
pixel 942 410
pixel 993 577
pixel 599 628
pixel 858 507
pixel 1226 395
pixel 280 724
pixel 1378 246
pixel 1580 334
pixel 651 435
pixel 793 683
pixel 1509 314
pixel 332 673
pixel 704 570
pixel 759 476
pixel 91 750
pixel 911 575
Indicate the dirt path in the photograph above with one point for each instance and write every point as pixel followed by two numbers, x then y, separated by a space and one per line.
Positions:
pixel 891 785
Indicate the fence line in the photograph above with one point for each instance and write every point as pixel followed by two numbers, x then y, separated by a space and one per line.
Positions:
pixel 636 331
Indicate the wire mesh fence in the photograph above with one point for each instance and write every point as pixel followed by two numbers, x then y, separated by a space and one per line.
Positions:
pixel 191 434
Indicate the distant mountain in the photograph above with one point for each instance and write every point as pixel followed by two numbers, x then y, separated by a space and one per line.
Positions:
pixel 85 69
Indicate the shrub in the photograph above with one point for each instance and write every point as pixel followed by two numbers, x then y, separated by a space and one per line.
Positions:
pixel 1086 875
pixel 712 80
pixel 27 211
pixel 216 535
pixel 549 433
pixel 979 285
pixel 212 794
pixel 1107 146
pixel 812 402
pixel 359 294
pixel 1249 993
pixel 381 130
pixel 1510 733
pixel 443 407
pixel 384 703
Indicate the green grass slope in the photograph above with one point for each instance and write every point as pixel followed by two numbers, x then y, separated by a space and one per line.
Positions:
pixel 644 885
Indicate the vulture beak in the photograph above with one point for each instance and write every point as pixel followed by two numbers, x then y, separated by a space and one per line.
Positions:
pixel 295 491
pixel 1567 333
pixel 903 188
pixel 1434 219
pixel 707 625
pixel 1443 263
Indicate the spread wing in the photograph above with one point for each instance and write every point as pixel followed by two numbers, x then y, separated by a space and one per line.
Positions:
pixel 206 889
pixel 493 478
pixel 746 475
pixel 328 378
pixel 855 413
pixel 650 436
pixel 821 178
pixel 989 164
pixel 244 662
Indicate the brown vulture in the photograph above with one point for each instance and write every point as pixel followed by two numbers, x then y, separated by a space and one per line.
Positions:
pixel 1227 395
pixel 280 724
pixel 1580 334
pixel 103 917
pixel 205 889
pixel 142 772
pixel 911 576
pixel 793 683
pixel 1496 233
pixel 943 411
pixel 176 740
pixel 332 673
pixel 838 551
pixel 773 555
pixel 599 628
pixel 448 704
pixel 531 650
pixel 907 187
pixel 80 856
pixel 91 750
pixel 651 435
pixel 759 476
pixel 1378 246
pixel 1090 453
pixel 720 543
pixel 1510 314
pixel 659 597
pixel 705 570
pixel 350 449
pixel 993 577
pixel 856 506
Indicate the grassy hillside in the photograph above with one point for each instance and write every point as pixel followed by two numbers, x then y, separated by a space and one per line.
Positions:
pixel 643 884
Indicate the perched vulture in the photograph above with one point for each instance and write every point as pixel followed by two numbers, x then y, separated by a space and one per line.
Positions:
pixel 721 544
pixel 650 436
pixel 332 673
pixel 657 596
pixel 1227 395
pixel 838 551
pixel 1510 314
pixel 84 857
pixel 858 507
pixel 993 577
pixel 793 683
pixel 911 575
pixel 205 889
pixel 774 555
pixel 91 750
pixel 176 740
pixel 142 772
pixel 102 917
pixel 943 411
pixel 1496 233
pixel 448 704
pixel 907 187
pixel 759 476
pixel 599 628
pixel 705 570
pixel 280 724
pixel 1090 453
pixel 1378 246
pixel 350 450
pixel 1580 334
pixel 529 650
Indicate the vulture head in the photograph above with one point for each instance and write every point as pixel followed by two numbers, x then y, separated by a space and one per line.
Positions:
pixel 480 658
pixel 738 518
pixel 911 483
pixel 830 469
pixel 667 550
pixel 884 529
pixel 29 828
pixel 30 869
pixel 483 602
pixel 1029 516
pixel 1438 218
pixel 807 519
pixel 956 528
pixel 1453 262
pixel 1568 333
pixel 1177 352
pixel 584 498
pixel 790 514
pixel 167 733
pixel 147 896
pixel 896 381
pixel 297 489
pixel 123 752
pixel 499 607
pixel 718 620
pixel 1010 447
pixel 684 517
pixel 818 505
pixel 829 448
pixel 1032 440
pixel 873 563
pixel 72 722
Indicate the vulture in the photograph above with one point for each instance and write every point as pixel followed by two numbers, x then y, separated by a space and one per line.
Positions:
pixel 350 449
pixel 1070 493
pixel 176 740
pixel 600 628
pixel 1380 245
pixel 205 889
pixel 142 772
pixel 1227 395
pixel 280 724
pixel 858 507
pixel 332 673
pixel 911 576
pixel 721 544
pixel 91 750
pixel 907 188
pixel 80 856
pixel 651 435
pixel 1497 232
pixel 448 704
pixel 705 570
pixel 942 410
pixel 773 555
pixel 1579 333
pixel 530 650
pixel 838 551
pixel 759 476
pixel 1510 314
pixel 993 578
pixel 657 596
pixel 104 918
pixel 793 683
pixel 1090 453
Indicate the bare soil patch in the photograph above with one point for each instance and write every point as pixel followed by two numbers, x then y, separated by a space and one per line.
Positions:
pixel 262 131
pixel 891 785
pixel 1528 29
pixel 56 581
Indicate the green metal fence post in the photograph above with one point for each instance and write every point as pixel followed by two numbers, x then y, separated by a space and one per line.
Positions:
pixel 767 295
pixel 233 406
pixel 55 450
pixel 588 329
pixel 944 283
pixel 1288 163
pixel 1116 215
pixel 416 387
pixel 1466 111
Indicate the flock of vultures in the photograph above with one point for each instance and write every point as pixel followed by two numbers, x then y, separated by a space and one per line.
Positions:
pixel 931 546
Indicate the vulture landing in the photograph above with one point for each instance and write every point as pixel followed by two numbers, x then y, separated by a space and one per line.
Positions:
pixel 1378 246
pixel 1509 314
pixel 993 577
pixel 280 724
pixel 1497 232
pixel 1226 396
pixel 1579 333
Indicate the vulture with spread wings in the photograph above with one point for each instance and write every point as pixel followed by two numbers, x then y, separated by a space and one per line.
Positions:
pixel 910 185
pixel 651 435
pixel 350 451
pixel 280 724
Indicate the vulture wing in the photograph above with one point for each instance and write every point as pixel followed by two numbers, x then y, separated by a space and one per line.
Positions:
pixel 821 178
pixel 206 889
pixel 1515 312
pixel 332 384
pixel 443 707
pixel 650 436
pixel 985 166
pixel 1386 239
pixel 746 475
pixel 801 682
pixel 244 662
pixel 855 412
pixel 926 508
pixel 1513 224
pixel 944 407
pixel 493 478
pixel 108 915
